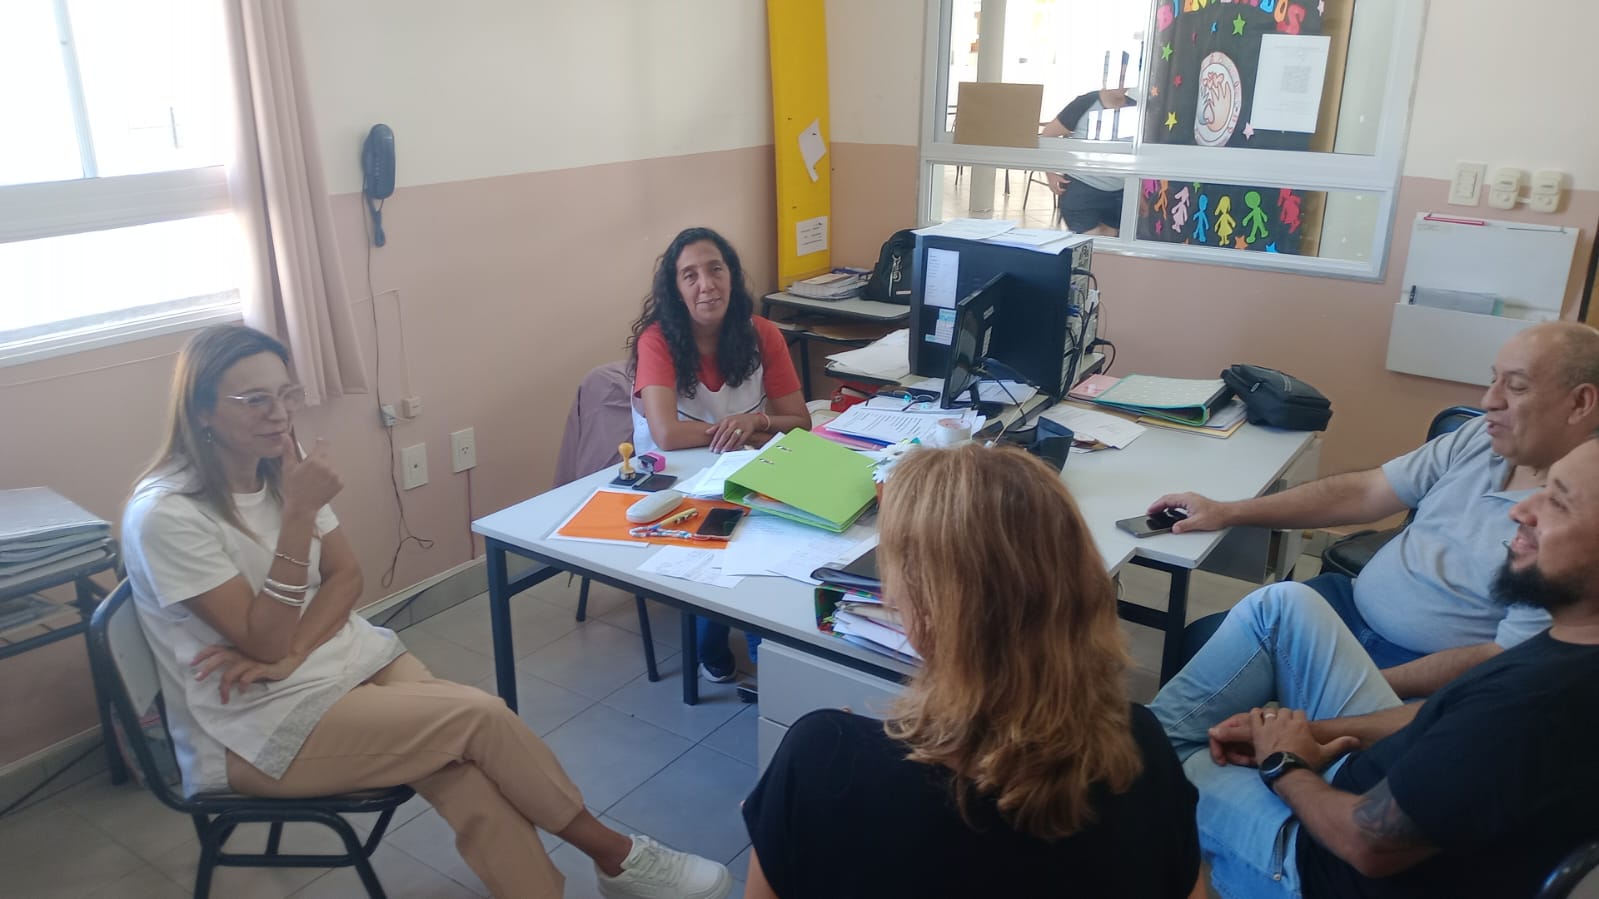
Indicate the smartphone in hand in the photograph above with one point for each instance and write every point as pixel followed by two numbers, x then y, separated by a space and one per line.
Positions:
pixel 1150 525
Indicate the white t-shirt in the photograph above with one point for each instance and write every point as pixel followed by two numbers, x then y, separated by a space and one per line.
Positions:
pixel 176 548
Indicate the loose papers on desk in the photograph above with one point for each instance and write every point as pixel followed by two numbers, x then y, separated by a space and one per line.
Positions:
pixel 888 427
pixel 967 229
pixel 765 545
pixel 888 359
pixel 699 565
pixel 1090 426
pixel 711 482
pixel 988 390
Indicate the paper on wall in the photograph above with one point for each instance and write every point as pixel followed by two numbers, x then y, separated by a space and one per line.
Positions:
pixel 810 236
pixel 812 148
pixel 1288 82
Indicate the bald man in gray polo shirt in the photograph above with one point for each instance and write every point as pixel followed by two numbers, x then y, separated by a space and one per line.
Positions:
pixel 1421 607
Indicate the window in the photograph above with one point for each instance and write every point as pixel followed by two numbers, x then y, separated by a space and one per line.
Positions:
pixel 1254 133
pixel 114 211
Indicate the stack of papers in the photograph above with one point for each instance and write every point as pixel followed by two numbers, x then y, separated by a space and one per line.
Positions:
pixel 711 482
pixel 1188 401
pixel 887 359
pixel 988 390
pixel 1221 424
pixel 1003 233
pixel 888 427
pixel 1089 426
pixel 42 530
pixel 767 545
pixel 835 285
pixel 867 623
pixel 699 565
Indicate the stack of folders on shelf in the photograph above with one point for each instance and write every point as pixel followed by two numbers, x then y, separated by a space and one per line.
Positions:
pixel 886 360
pixel 42 531
pixel 1184 401
pixel 805 478
pixel 849 605
pixel 838 284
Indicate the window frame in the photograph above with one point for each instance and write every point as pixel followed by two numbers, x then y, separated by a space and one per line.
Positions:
pixel 1377 175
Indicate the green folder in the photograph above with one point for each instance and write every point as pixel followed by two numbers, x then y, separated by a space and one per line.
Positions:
pixel 1188 401
pixel 808 479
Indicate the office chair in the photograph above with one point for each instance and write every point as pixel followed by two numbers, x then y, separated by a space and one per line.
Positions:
pixel 1576 877
pixel 124 673
pixel 1348 555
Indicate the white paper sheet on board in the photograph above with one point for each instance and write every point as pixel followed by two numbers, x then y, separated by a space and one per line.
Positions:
pixel 812 147
pixel 810 236
pixel 939 287
pixel 1288 82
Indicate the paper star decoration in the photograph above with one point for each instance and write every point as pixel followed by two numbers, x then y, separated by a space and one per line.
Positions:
pixel 1249 130
pixel 1240 244
pixel 1238 25
pixel 1271 247
pixel 1171 120
pixel 1165 51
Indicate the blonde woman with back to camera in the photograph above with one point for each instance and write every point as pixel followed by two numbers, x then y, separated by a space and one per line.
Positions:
pixel 245 585
pixel 1013 764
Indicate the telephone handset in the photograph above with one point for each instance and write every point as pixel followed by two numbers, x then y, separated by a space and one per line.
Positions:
pixel 377 175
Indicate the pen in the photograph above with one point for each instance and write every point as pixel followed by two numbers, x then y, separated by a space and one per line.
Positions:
pixel 684 515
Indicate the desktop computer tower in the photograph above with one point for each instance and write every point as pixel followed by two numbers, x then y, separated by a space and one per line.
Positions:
pixel 1039 328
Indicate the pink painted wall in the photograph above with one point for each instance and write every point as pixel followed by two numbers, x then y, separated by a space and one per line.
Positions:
pixel 511 288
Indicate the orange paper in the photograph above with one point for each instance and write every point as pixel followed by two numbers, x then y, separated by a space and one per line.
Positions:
pixel 604 517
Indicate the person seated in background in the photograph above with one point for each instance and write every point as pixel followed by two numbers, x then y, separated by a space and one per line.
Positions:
pixel 1422 606
pixel 1478 791
pixel 1014 764
pixel 708 371
pixel 1089 203
pixel 245 586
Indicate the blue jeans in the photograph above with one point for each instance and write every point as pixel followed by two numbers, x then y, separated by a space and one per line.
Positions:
pixel 1283 642
pixel 714 651
pixel 1339 591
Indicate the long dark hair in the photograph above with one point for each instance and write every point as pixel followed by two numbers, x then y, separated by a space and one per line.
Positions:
pixel 738 352
pixel 201 365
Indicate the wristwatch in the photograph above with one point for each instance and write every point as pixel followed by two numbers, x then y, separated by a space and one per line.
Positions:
pixel 1277 764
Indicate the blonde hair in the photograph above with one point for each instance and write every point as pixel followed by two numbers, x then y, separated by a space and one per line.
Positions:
pixel 1020 694
pixel 202 363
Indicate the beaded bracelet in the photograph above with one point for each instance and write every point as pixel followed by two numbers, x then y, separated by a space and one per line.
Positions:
pixel 292 560
pixel 296 603
pixel 287 588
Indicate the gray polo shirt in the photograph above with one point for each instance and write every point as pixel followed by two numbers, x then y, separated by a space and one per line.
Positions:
pixel 1428 589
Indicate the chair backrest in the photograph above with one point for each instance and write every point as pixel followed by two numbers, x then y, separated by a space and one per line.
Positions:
pixel 126 675
pixel 1450 420
pixel 1577 876
pixel 601 417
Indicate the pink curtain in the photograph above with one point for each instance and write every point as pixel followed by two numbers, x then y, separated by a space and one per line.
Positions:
pixel 295 288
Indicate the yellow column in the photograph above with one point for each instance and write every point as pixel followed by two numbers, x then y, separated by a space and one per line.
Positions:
pixel 797 37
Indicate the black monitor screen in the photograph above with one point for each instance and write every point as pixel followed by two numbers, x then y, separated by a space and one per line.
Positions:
pixel 969 339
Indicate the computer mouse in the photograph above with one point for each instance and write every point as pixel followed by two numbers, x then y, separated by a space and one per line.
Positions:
pixel 654 507
pixel 1177 512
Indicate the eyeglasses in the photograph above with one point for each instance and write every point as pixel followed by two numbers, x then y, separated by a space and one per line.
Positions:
pixel 260 401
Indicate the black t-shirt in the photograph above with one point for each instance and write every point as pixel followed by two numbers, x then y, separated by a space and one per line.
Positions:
pixel 841 813
pixel 1497 770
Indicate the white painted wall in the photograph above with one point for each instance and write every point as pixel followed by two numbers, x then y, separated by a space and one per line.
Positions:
pixel 496 87
pixel 874 70
pixel 1506 85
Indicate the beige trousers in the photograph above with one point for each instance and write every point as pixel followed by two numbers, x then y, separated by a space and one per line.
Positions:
pixel 469 756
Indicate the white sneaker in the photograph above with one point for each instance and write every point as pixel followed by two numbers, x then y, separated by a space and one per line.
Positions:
pixel 654 871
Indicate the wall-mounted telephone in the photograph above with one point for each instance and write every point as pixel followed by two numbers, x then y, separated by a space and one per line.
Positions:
pixel 377 175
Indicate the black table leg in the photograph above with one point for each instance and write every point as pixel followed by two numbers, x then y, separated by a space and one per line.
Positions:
pixel 1171 655
pixel 691 658
pixel 500 622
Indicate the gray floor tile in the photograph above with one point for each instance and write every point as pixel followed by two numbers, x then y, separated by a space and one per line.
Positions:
pixel 736 738
pixel 562 595
pixel 542 705
pixel 429 839
pixel 143 882
pixel 131 815
pixel 608 754
pixel 593 660
pixel 579 871
pixel 693 805
pixel 661 703
pixel 49 850
pixel 446 659
pixel 235 883
pixel 402 877
pixel 534 623
pixel 665 621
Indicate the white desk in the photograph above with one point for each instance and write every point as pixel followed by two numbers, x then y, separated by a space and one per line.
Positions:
pixel 1109 485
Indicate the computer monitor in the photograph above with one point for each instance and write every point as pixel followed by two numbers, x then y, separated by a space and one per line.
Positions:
pixel 970 336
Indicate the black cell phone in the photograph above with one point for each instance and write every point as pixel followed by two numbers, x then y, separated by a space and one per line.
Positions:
pixel 656 482
pixel 720 522
pixel 1150 525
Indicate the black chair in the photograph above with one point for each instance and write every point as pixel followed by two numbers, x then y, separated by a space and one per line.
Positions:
pixel 1348 555
pixel 124 671
pixel 1576 877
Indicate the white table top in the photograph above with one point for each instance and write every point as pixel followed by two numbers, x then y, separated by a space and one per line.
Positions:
pixel 1109 485
pixel 853 307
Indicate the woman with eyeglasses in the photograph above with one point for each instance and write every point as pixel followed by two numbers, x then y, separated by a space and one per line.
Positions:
pixel 245 585
pixel 1014 764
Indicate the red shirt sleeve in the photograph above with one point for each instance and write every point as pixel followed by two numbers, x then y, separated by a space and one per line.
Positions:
pixel 777 366
pixel 655 367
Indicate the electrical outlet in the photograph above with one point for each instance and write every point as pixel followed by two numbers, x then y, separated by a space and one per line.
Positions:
pixel 411 406
pixel 386 414
pixel 1547 187
pixel 414 466
pixel 1467 187
pixel 1504 188
pixel 463 450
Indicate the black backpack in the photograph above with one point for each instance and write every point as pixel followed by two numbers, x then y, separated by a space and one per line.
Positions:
pixel 1278 399
pixel 891 277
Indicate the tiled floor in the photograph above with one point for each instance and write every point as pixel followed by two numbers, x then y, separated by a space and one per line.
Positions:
pixel 646 763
